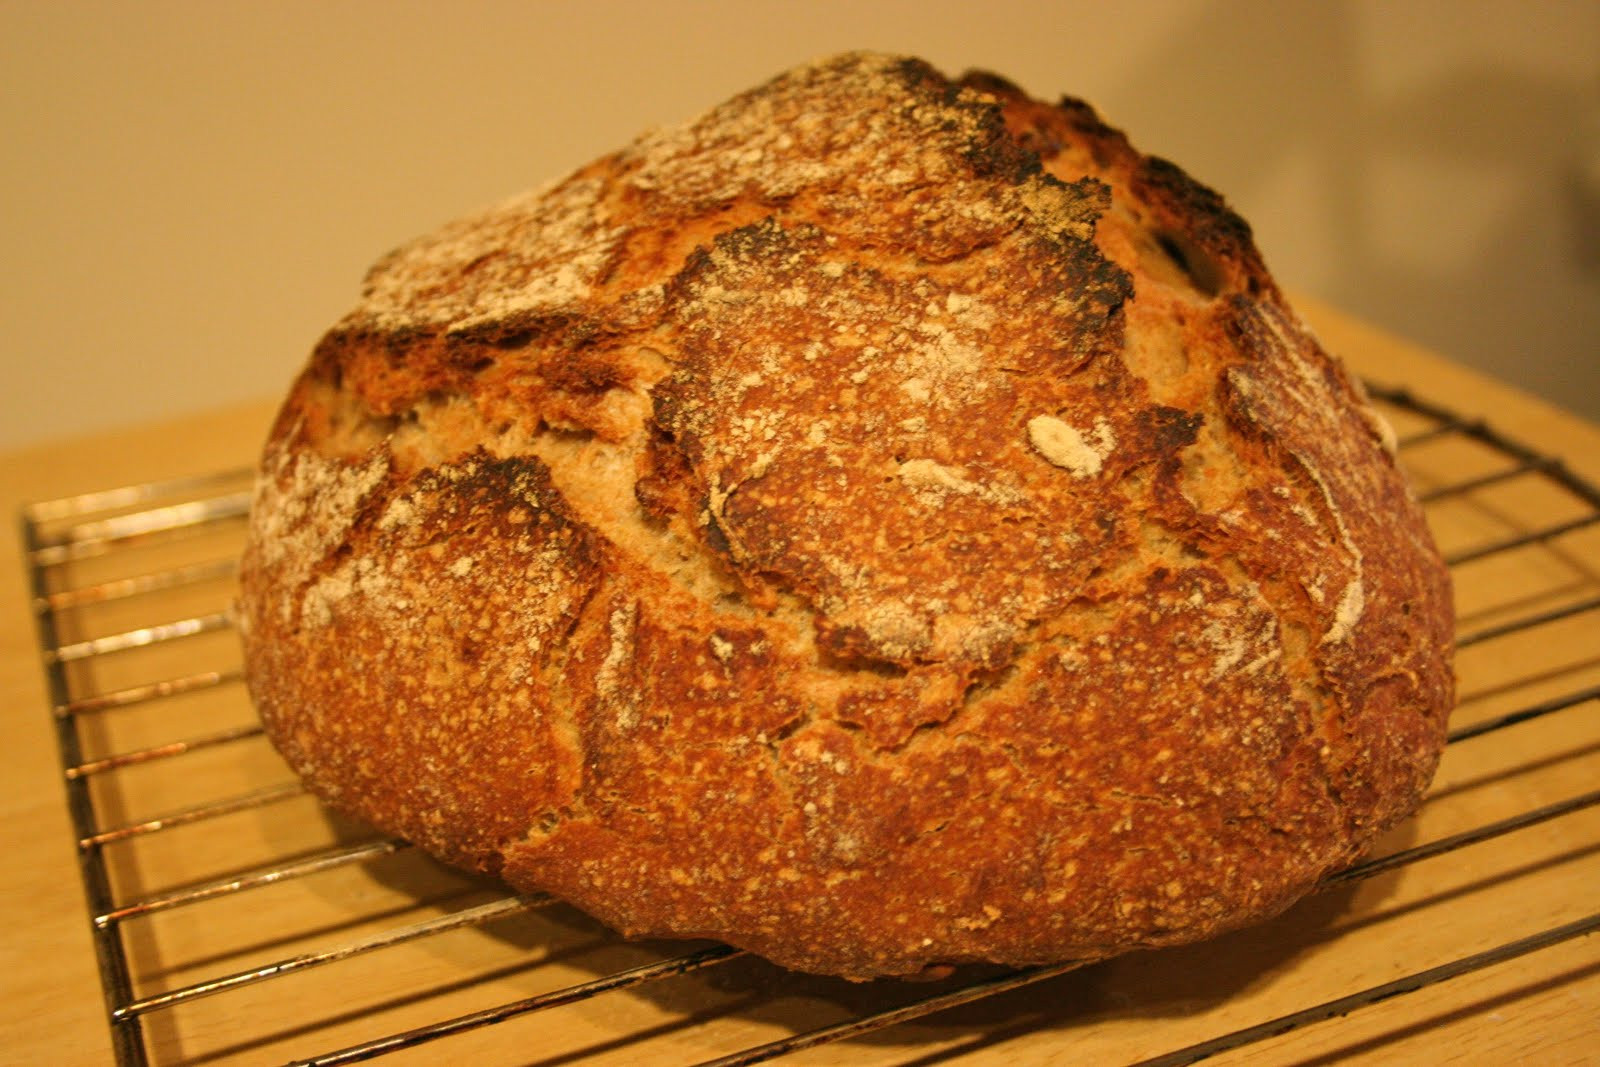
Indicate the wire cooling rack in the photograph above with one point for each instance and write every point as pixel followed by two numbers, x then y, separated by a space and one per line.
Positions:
pixel 237 921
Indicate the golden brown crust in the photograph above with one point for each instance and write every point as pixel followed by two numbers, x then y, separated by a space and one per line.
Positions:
pixel 885 522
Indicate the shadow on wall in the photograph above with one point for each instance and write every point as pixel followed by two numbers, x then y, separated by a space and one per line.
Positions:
pixel 1460 209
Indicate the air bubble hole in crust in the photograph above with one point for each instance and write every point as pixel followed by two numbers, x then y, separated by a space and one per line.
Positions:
pixel 1203 271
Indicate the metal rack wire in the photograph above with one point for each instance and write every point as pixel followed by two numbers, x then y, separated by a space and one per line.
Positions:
pixel 131 590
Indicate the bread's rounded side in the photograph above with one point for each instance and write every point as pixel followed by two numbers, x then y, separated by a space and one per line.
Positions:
pixel 883 523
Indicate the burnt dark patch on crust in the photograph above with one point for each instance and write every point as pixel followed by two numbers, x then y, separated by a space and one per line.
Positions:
pixel 760 240
pixel 586 371
pixel 1167 430
pixel 1207 237
pixel 1099 287
pixel 519 486
pixel 992 153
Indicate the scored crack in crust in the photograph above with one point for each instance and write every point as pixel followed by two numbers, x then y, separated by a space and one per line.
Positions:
pixel 886 522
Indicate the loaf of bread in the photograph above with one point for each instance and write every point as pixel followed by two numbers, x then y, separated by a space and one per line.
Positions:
pixel 887 522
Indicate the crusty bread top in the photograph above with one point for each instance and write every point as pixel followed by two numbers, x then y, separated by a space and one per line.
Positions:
pixel 883 522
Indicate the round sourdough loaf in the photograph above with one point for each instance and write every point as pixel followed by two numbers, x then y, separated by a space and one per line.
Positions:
pixel 886 522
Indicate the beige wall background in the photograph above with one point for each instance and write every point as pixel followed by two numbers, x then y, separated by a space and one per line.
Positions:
pixel 191 190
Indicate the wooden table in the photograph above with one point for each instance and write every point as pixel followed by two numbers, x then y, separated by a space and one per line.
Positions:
pixel 1542 1007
